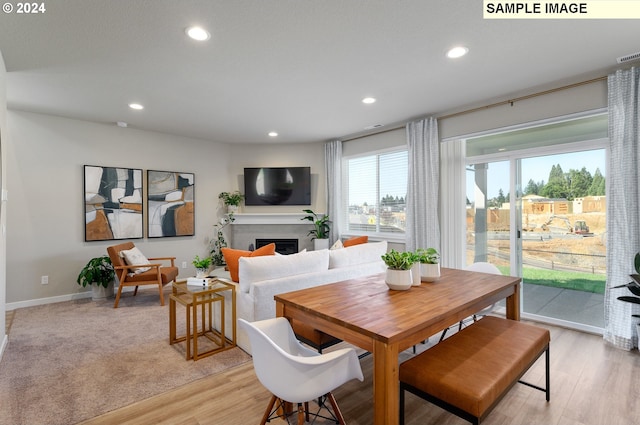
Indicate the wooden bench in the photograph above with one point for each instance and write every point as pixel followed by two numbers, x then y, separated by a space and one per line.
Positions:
pixel 469 372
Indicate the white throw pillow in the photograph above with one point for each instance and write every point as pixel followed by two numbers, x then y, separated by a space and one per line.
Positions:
pixel 357 254
pixel 337 245
pixel 134 257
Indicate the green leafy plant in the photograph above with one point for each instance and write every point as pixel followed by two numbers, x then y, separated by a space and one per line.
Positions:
pixel 201 263
pixel 633 286
pixel 398 260
pixel 427 256
pixel 321 226
pixel 98 270
pixel 220 242
pixel 231 198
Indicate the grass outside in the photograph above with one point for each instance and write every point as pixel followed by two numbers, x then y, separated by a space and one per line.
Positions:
pixel 585 282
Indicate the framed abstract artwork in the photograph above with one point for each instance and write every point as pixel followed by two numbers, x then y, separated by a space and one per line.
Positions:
pixel 113 206
pixel 170 202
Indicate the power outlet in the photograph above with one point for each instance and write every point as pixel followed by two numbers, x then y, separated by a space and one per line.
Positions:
pixel 44 280
pixel 184 264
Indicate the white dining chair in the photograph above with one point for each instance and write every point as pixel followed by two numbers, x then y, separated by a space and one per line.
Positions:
pixel 296 374
pixel 482 267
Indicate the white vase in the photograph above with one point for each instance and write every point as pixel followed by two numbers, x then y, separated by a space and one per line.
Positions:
pixel 398 280
pixel 429 272
pixel 415 274
pixel 99 292
pixel 201 273
pixel 232 209
pixel 319 244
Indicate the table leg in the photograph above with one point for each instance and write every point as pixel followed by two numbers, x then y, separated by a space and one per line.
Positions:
pixel 386 384
pixel 172 320
pixel 187 338
pixel 513 304
pixel 195 329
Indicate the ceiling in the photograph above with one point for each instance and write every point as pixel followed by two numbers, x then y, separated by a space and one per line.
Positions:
pixel 297 67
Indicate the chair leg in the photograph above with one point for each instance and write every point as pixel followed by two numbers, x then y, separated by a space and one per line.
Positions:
pixel 336 409
pixel 267 412
pixel 161 294
pixel 135 291
pixel 301 414
pixel 115 304
pixel 444 332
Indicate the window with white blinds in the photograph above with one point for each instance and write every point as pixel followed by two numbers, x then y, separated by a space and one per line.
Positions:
pixel 376 192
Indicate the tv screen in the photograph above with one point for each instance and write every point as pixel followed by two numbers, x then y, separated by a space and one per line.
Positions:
pixel 277 186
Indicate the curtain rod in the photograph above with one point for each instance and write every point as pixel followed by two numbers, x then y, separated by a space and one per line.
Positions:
pixel 492 105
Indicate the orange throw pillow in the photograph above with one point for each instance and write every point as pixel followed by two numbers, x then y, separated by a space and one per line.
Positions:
pixel 356 240
pixel 232 257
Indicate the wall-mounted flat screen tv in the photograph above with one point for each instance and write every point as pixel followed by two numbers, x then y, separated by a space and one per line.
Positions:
pixel 277 186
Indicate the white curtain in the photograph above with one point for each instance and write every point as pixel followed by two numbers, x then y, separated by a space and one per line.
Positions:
pixel 453 205
pixel 623 205
pixel 422 221
pixel 333 171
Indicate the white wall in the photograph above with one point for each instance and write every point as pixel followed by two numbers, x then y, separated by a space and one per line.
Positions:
pixel 45 211
pixel 3 211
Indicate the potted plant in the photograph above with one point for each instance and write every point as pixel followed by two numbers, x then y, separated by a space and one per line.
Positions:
pixel 220 242
pixel 429 260
pixel 320 231
pixel 398 275
pixel 634 288
pixel 99 273
pixel 202 266
pixel 231 200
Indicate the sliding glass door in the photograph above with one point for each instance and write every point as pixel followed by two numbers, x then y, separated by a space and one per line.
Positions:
pixel 541 214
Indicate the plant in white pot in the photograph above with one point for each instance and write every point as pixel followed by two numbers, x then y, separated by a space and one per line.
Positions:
pixel 429 260
pixel 98 273
pixel 320 231
pixel 398 276
pixel 231 200
pixel 202 266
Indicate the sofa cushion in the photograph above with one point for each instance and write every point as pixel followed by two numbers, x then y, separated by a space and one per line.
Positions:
pixel 357 254
pixel 356 240
pixel 231 257
pixel 258 269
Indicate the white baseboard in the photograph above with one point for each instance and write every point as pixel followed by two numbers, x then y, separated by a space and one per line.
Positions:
pixel 57 299
pixel 5 341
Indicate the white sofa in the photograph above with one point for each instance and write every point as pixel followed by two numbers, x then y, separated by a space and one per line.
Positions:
pixel 261 278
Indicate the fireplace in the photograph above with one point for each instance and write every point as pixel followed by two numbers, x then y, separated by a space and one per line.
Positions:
pixel 283 246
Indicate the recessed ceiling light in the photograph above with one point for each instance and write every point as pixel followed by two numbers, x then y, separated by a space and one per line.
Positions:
pixel 136 106
pixel 198 33
pixel 272 134
pixel 457 52
pixel 368 100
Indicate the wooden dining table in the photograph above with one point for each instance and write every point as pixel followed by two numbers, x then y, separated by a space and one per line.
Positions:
pixel 367 314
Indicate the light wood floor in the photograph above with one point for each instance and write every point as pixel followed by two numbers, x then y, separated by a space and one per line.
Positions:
pixel 592 383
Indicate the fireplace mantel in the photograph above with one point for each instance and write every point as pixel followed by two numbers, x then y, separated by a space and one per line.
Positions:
pixel 270 218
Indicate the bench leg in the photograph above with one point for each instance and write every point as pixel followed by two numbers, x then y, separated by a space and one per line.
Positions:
pixel 547 389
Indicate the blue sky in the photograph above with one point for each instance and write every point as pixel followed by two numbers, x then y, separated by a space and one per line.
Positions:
pixel 538 169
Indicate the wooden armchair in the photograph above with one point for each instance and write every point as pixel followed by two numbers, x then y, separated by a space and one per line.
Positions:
pixel 155 274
